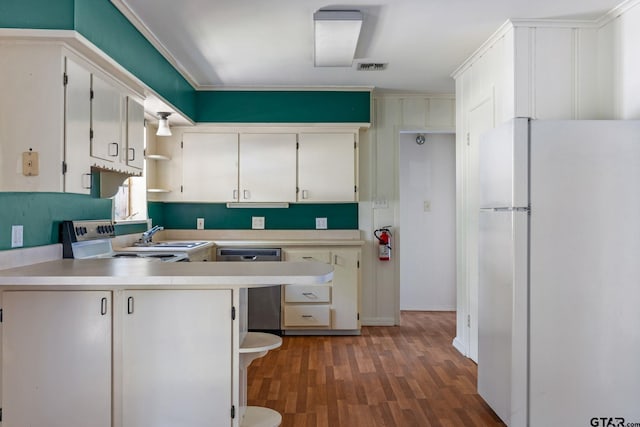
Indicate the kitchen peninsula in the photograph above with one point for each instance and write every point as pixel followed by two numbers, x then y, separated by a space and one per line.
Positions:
pixel 132 342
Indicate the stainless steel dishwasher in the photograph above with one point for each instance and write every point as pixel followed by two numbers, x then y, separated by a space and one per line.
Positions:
pixel 263 309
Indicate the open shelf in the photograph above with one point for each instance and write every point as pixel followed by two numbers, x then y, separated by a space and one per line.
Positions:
pixel 256 416
pixel 258 342
pixel 157 157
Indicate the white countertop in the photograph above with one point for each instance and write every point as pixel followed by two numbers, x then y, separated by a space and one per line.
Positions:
pixel 146 273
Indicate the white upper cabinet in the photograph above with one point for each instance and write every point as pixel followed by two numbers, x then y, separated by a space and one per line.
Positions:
pixel 327 167
pixel 31 116
pixel 210 167
pixel 267 167
pixel 77 178
pixel 135 134
pixel 106 116
pixel 241 166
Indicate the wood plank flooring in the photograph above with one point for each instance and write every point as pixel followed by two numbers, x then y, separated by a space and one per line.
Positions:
pixel 408 375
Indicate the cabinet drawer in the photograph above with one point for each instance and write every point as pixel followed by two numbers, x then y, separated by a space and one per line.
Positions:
pixel 301 293
pixel 303 255
pixel 307 315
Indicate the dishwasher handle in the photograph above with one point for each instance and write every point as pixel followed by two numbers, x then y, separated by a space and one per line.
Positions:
pixel 249 257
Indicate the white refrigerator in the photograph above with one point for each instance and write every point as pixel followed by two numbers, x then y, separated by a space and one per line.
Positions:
pixel 559 265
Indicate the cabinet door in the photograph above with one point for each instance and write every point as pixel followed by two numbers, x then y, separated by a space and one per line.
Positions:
pixel 77 178
pixel 327 167
pixel 177 358
pixel 56 359
pixel 268 167
pixel 210 167
pixel 31 99
pixel 135 134
pixel 106 116
pixel 346 288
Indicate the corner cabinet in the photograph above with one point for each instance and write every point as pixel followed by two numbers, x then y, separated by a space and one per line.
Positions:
pixel 334 306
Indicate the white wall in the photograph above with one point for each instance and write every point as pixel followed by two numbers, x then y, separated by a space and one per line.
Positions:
pixel 426 237
pixel 379 185
pixel 619 62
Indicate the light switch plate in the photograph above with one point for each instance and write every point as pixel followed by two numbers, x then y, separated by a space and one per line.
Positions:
pixel 321 223
pixel 16 236
pixel 257 222
pixel 200 223
pixel 427 205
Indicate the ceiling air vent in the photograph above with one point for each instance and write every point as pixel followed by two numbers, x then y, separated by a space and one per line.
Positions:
pixel 372 66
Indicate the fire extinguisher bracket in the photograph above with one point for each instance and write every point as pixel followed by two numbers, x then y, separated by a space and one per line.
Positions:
pixel 384 243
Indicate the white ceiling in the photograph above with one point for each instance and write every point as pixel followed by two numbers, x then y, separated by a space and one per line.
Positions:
pixel 269 43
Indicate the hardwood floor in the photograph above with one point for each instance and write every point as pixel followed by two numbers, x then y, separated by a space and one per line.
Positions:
pixel 389 376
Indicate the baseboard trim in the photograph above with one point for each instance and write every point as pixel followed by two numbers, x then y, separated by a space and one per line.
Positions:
pixel 458 345
pixel 378 321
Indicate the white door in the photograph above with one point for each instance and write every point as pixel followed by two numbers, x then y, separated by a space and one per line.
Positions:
pixel 210 167
pixel 106 116
pixel 326 167
pixel 177 358
pixel 77 178
pixel 480 120
pixel 135 134
pixel 56 359
pixel 268 167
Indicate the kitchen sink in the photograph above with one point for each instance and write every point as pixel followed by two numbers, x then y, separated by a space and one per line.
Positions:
pixel 182 245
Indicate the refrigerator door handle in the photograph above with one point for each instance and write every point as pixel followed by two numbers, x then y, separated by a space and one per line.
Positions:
pixel 506 209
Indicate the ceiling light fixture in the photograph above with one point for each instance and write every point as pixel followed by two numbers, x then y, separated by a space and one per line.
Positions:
pixel 336 37
pixel 163 124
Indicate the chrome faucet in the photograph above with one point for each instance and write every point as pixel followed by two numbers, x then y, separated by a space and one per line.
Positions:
pixel 148 235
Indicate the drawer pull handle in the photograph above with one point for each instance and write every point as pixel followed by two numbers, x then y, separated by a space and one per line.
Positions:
pixel 103 306
pixel 130 305
pixel 307 316
pixel 308 258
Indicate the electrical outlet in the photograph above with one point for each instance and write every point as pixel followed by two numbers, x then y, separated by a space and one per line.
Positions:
pixel 257 222
pixel 321 223
pixel 200 223
pixel 16 236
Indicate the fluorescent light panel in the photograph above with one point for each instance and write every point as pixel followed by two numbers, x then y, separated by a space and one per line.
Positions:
pixel 336 37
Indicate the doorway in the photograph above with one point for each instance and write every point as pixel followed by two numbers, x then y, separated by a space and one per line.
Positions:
pixel 427 217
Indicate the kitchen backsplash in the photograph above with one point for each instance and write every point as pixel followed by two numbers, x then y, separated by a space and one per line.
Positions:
pixel 340 216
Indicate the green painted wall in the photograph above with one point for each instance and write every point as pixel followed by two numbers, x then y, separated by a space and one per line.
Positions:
pixel 340 216
pixel 41 214
pixel 283 106
pixel 103 24
pixel 38 14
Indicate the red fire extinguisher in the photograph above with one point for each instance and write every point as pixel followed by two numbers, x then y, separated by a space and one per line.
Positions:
pixel 384 243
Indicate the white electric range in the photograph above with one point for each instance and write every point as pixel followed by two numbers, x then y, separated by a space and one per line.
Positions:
pixel 87 239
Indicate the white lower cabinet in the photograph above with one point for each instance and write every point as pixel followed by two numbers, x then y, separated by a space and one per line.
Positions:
pixel 177 358
pixel 335 306
pixel 56 359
